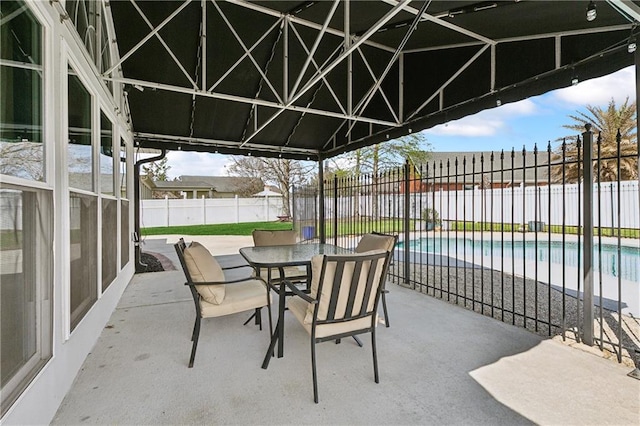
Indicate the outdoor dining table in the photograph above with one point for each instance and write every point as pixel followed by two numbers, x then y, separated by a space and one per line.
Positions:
pixel 270 257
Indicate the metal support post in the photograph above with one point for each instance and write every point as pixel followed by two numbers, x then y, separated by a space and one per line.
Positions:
pixel 407 235
pixel 136 206
pixel 587 208
pixel 635 373
pixel 321 213
pixel 335 210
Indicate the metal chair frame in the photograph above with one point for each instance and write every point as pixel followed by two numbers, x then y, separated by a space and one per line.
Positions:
pixel 180 247
pixel 384 287
pixel 362 309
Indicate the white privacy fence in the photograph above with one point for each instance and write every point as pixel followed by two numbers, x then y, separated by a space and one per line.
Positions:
pixel 552 204
pixel 10 210
pixel 202 211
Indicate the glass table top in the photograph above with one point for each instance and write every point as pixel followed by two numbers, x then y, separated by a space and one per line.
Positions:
pixel 290 255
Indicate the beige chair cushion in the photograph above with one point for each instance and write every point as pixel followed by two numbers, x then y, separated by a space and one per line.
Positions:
pixel 299 308
pixel 203 267
pixel 274 238
pixel 370 242
pixel 239 297
pixel 323 307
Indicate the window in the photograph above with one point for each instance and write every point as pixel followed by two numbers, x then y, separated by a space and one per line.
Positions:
pixel 21 71
pixel 80 158
pixel 124 207
pixel 84 248
pixel 109 241
pixel 124 233
pixel 90 21
pixel 123 169
pixel 26 247
pixel 106 156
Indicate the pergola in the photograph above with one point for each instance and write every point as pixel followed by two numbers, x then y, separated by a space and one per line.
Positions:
pixel 313 79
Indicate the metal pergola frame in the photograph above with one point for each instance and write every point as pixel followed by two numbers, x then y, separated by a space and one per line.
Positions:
pixel 272 98
pixel 294 90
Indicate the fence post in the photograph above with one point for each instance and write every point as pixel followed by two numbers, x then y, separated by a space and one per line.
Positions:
pixel 321 212
pixel 166 209
pixel 204 211
pixel 407 235
pixel 335 210
pixel 587 208
pixel 237 209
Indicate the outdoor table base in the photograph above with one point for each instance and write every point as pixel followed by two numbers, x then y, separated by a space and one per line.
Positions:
pixel 270 257
pixel 278 334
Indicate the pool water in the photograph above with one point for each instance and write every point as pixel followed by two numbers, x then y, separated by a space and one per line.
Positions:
pixel 628 269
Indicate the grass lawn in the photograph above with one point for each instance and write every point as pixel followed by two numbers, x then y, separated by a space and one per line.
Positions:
pixel 555 229
pixel 357 227
pixel 217 229
pixel 11 240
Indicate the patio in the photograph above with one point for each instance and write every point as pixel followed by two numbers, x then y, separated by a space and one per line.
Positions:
pixel 439 363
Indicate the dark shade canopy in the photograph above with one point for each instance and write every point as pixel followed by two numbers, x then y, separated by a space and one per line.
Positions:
pixel 313 79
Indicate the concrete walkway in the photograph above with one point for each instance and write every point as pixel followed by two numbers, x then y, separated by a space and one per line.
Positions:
pixel 439 364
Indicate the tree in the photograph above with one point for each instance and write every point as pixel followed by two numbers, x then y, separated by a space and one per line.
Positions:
pixel 157 170
pixel 248 187
pixel 606 122
pixel 22 159
pixel 276 171
pixel 382 157
pixel 389 155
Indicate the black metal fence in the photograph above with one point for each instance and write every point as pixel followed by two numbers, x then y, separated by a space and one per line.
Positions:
pixel 514 235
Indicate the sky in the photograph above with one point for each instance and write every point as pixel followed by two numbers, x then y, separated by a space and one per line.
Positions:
pixel 536 120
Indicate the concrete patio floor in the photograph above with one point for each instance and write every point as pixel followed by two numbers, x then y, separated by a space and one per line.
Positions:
pixel 439 364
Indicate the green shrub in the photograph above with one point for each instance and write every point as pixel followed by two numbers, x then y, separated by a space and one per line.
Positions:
pixel 430 215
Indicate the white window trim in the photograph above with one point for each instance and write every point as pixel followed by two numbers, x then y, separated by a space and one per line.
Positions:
pixel 44 287
pixel 115 142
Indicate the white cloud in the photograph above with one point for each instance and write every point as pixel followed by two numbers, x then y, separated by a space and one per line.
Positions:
pixel 523 107
pixel 599 91
pixel 485 123
pixel 468 127
pixel 196 163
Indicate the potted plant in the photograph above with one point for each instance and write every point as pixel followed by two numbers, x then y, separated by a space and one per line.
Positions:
pixel 431 218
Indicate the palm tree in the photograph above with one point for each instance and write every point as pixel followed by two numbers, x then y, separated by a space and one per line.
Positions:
pixel 607 123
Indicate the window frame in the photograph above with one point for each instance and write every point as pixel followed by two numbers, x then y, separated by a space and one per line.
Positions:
pixel 128 143
pixel 44 307
pixel 114 177
pixel 94 123
pixel 45 69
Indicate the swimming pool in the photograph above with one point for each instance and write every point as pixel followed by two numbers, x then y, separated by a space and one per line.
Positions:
pixel 468 249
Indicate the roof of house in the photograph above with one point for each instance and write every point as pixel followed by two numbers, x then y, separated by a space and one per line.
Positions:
pixel 214 183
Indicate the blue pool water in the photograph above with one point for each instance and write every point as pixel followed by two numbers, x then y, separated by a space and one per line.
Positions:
pixel 629 268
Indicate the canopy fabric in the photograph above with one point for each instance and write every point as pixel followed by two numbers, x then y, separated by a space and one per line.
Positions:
pixel 313 79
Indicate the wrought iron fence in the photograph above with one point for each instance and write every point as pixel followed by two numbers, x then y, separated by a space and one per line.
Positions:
pixel 505 234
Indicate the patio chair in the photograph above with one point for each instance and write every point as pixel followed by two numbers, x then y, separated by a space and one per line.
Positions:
pixel 379 241
pixel 211 294
pixel 295 274
pixel 279 238
pixel 343 302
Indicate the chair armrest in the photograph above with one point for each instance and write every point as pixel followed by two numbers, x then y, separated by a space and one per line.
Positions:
pixel 295 290
pixel 191 283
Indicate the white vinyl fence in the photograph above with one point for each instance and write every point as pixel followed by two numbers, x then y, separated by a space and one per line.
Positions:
pixel 202 211
pixel 549 204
